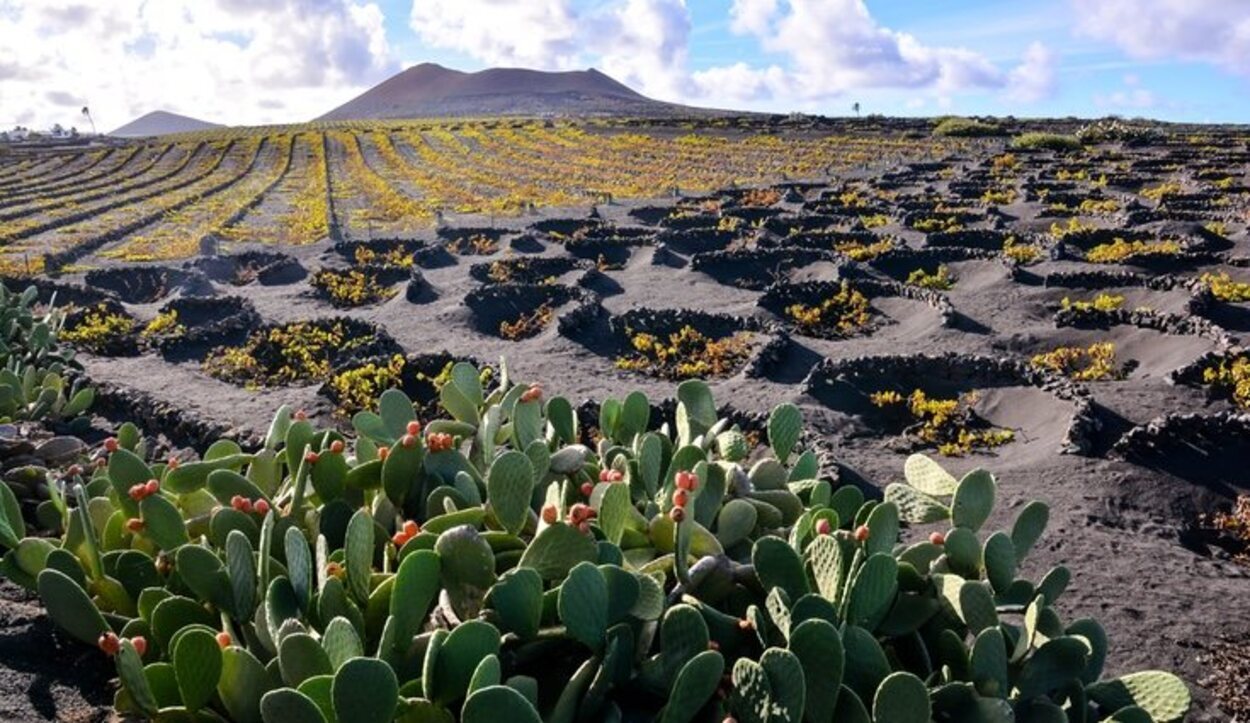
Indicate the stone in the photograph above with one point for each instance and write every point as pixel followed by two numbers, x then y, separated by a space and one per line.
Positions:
pixel 61 450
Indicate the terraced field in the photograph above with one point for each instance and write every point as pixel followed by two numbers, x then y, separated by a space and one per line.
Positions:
pixel 1070 317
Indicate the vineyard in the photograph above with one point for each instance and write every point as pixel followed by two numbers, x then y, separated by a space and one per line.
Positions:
pixel 652 419
pixel 294 185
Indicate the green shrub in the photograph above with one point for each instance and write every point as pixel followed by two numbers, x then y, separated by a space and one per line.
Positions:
pixel 39 377
pixel 492 566
pixel 955 127
pixel 1046 141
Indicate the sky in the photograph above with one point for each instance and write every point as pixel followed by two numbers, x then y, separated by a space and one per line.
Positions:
pixel 279 61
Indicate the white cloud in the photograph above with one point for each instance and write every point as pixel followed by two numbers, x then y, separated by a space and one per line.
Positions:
pixel 1132 96
pixel 533 34
pixel 642 43
pixel 823 48
pixel 831 47
pixel 1212 31
pixel 240 61
pixel 1033 80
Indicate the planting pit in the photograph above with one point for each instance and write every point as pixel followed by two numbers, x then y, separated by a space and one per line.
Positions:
pixel 104 328
pixel 191 325
pixel 528 270
pixel 297 353
pixel 875 394
pixel 520 311
pixel 264 267
pixel 853 307
pixel 146 284
pixel 681 344
pixel 756 269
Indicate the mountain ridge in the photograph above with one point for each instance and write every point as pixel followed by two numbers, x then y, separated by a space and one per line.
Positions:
pixel 429 90
pixel 162 122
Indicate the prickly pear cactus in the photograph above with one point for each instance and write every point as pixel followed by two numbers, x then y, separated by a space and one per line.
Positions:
pixel 502 563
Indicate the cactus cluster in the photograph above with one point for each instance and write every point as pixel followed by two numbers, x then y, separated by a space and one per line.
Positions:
pixel 38 375
pixel 506 563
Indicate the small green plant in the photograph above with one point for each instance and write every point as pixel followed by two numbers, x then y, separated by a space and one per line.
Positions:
pixel 1224 288
pixel 1023 254
pixel 966 128
pixel 842 314
pixel 1046 141
pixel 1096 362
pixel 1230 377
pixel 686 353
pixel 285 354
pixel 528 323
pixel 1102 302
pixel 164 325
pixel 351 287
pixel 98 329
pixel 950 425
pixel 1119 251
pixel 940 280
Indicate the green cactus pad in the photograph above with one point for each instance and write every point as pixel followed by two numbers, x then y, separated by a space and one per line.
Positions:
pixel 963 552
pixel 1057 663
pixel 778 565
pixel 901 698
pixel 241 568
pixel 752 696
pixel 583 605
pixel 487 673
pixel 818 647
pixel 973 500
pixel 830 559
pixel 285 705
pixel 1000 561
pixel 416 587
pixel 359 554
pixel 867 664
pixel 872 591
pixel 1028 528
pixel 244 681
pixel 498 702
pixel 401 471
pixel 789 687
pixel 971 602
pixel 198 665
pixel 468 567
pixel 915 506
pixel 1096 637
pixel 69 606
pixel 784 426
pixel 365 691
pixel 510 486
pixel 205 575
pixel 341 642
pixel 883 526
pixel 301 657
pixel 556 549
pixel 130 671
pixel 989 664
pixel 458 658
pixel 694 685
pixel 1162 695
pixel 683 634
pixel 928 477
pixel 162 522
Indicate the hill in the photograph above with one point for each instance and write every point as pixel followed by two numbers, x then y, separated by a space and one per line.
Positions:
pixel 159 123
pixel 429 90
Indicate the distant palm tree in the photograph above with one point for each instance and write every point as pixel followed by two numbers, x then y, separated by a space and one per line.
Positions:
pixel 854 107
pixel 87 112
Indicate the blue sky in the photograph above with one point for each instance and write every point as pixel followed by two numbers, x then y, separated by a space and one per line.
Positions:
pixel 268 61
